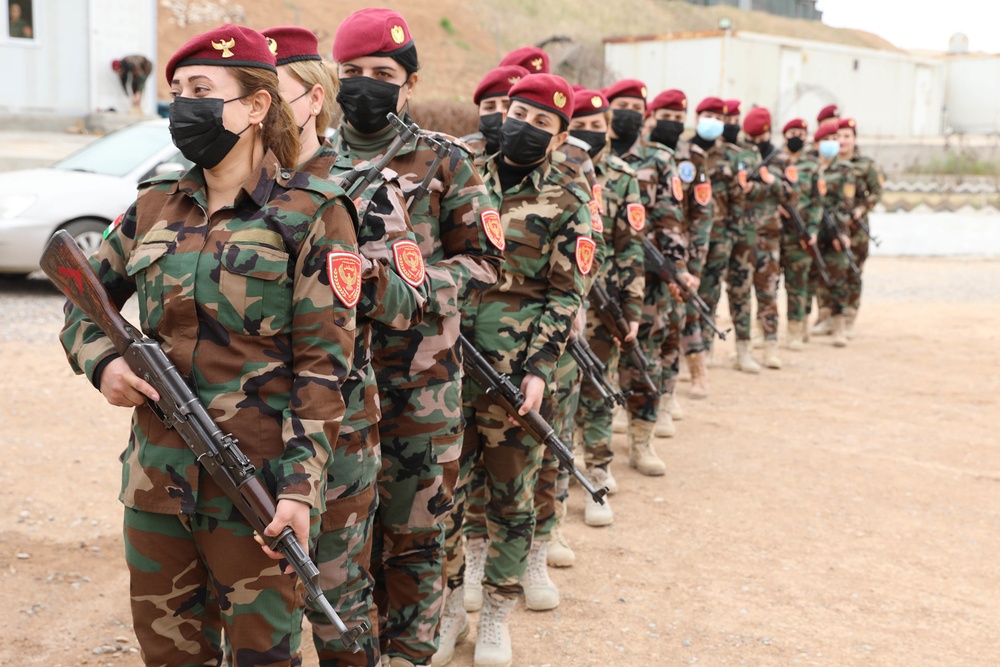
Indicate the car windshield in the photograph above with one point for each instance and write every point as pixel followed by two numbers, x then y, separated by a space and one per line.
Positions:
pixel 120 152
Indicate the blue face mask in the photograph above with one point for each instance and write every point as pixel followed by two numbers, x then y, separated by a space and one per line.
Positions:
pixel 710 129
pixel 829 148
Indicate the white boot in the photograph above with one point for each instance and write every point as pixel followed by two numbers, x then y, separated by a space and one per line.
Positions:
pixel 839 330
pixel 560 554
pixel 610 481
pixel 493 636
pixel 641 454
pixel 771 358
pixel 594 513
pixel 664 420
pixel 454 627
pixel 744 359
pixel 620 422
pixel 850 315
pixel 796 336
pixel 824 325
pixel 475 568
pixel 540 594
pixel 676 410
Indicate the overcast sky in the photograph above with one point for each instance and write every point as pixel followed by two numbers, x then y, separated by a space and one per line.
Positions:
pixel 920 24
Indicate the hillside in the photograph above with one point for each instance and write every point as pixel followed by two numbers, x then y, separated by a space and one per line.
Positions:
pixel 459 40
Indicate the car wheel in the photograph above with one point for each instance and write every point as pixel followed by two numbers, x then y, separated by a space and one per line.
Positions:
pixel 88 234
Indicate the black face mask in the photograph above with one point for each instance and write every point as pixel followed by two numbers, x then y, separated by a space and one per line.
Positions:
pixel 596 140
pixel 667 132
pixel 765 148
pixel 197 129
pixel 523 144
pixel 366 103
pixel 731 132
pixel 795 144
pixel 626 123
pixel 489 125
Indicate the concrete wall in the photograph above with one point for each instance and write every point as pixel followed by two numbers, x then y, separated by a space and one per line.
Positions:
pixel 973 94
pixel 120 28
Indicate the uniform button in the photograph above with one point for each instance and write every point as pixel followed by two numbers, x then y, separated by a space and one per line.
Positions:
pixel 285 174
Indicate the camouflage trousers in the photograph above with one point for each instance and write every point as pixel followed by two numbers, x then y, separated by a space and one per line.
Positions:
pixel 859 245
pixel 692 341
pixel 193 577
pixel 766 276
pixel 421 431
pixel 344 549
pixel 731 257
pixel 670 351
pixel 797 264
pixel 836 295
pixel 653 330
pixel 593 416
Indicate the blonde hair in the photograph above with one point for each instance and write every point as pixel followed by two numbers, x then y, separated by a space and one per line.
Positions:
pixel 312 72
pixel 279 132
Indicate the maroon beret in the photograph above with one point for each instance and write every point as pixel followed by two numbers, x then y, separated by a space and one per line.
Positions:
pixel 371 32
pixel 498 82
pixel 757 122
pixel 713 105
pixel 291 43
pixel 545 91
pixel 795 124
pixel 229 46
pixel 670 99
pixel 825 131
pixel 531 58
pixel 734 107
pixel 829 111
pixel 626 88
pixel 848 124
pixel 588 102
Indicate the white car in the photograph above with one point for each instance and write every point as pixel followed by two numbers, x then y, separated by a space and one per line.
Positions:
pixel 82 194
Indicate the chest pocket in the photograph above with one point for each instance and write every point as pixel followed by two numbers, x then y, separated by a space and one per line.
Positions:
pixel 527 239
pixel 152 282
pixel 255 291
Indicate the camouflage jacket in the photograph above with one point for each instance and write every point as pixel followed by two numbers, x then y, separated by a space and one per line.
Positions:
pixel 744 158
pixel 835 188
pixel 699 205
pixel 870 181
pixel 803 171
pixel 622 222
pixel 255 307
pixel 476 143
pixel 459 258
pixel 763 199
pixel 522 324
pixel 727 196
pixel 391 292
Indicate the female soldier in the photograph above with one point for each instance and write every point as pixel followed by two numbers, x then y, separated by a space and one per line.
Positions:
pixel 392 294
pixel 492 100
pixel 246 272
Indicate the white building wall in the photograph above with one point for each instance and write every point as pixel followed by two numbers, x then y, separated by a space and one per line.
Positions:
pixel 973 94
pixel 120 28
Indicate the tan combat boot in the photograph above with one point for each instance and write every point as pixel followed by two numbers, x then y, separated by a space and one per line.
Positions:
pixel 594 513
pixel 744 359
pixel 699 376
pixel 850 314
pixel 676 409
pixel 560 554
pixel 621 420
pixel 824 325
pixel 454 627
pixel 641 454
pixel 475 568
pixel 839 331
pixel 664 420
pixel 540 594
pixel 771 358
pixel 796 339
pixel 493 636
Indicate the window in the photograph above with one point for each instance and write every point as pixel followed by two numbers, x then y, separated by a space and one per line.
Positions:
pixel 21 19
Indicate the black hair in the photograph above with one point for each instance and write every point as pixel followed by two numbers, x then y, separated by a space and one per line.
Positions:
pixel 407 58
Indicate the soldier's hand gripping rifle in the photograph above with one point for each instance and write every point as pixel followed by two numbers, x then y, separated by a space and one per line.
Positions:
pixel 594 370
pixel 806 239
pixel 502 391
pixel 614 319
pixel 178 408
pixel 663 267
pixel 834 230
pixel 357 180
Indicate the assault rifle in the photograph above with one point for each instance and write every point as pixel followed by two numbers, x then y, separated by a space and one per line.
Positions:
pixel 614 319
pixel 868 232
pixel 834 230
pixel 666 269
pixel 805 237
pixel 441 149
pixel 357 180
pixel 502 391
pixel 179 408
pixel 594 370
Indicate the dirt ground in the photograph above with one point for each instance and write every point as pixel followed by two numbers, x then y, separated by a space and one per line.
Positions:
pixel 841 511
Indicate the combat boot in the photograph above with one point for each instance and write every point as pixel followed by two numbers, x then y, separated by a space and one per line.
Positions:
pixel 493 636
pixel 771 358
pixel 699 375
pixel 560 554
pixel 396 661
pixel 594 513
pixel 676 410
pixel 664 420
pixel 839 331
pixel 824 325
pixel 621 420
pixel 850 314
pixel 475 568
pixel 796 339
pixel 641 454
pixel 610 481
pixel 454 627
pixel 540 594
pixel 744 359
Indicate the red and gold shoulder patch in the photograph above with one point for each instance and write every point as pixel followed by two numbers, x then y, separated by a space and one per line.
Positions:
pixel 850 190
pixel 741 178
pixel 596 221
pixel 636 216
pixel 409 262
pixel 344 271
pixel 585 247
pixel 821 187
pixel 114 225
pixel 703 192
pixel 792 173
pixel 493 228
pixel 677 186
pixel 598 192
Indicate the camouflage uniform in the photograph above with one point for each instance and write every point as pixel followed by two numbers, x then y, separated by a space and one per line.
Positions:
pixel 830 189
pixel 868 194
pixel 419 377
pixel 343 553
pixel 796 260
pixel 243 305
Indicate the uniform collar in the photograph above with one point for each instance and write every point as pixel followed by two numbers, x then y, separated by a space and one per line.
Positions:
pixel 258 185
